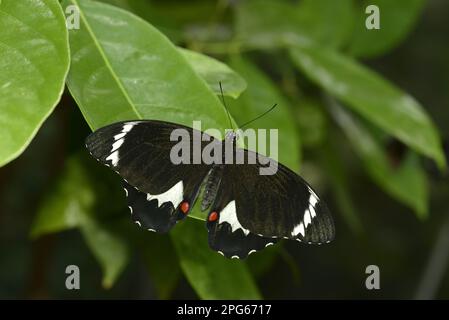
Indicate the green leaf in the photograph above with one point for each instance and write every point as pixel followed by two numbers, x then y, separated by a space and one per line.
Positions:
pixel 268 24
pixel 407 183
pixel 311 121
pixel 337 176
pixel 214 71
pixel 123 68
pixel 115 76
pixel 211 275
pixel 372 97
pixel 261 263
pixel 72 203
pixel 162 263
pixel 34 61
pixel 397 19
pixel 109 247
pixel 172 18
pixel 67 203
pixel 328 22
pixel 262 94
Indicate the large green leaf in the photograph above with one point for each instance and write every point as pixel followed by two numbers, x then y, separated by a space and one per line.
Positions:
pixel 397 19
pixel 372 97
pixel 34 61
pixel 214 71
pixel 211 275
pixel 262 94
pixel 123 68
pixel 406 182
pixel 115 76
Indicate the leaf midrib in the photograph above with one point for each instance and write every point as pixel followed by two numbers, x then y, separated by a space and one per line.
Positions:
pixel 106 60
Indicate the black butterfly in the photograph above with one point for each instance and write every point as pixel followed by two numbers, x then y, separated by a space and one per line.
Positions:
pixel 246 211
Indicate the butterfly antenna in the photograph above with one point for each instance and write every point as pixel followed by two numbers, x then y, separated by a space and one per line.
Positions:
pixel 226 107
pixel 258 117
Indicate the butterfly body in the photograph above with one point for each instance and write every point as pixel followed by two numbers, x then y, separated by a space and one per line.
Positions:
pixel 246 211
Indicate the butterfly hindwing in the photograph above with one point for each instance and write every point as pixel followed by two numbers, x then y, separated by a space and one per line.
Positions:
pixel 149 213
pixel 235 243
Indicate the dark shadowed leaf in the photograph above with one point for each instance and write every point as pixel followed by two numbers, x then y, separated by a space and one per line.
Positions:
pixel 109 247
pixel 337 176
pixel 67 203
pixel 267 24
pixel 406 182
pixel 397 19
pixel 328 22
pixel 162 263
pixel 211 275
pixel 72 203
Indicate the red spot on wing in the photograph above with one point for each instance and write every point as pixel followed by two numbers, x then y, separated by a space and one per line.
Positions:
pixel 213 216
pixel 185 206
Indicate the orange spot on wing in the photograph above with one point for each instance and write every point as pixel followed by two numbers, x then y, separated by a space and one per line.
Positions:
pixel 185 206
pixel 213 216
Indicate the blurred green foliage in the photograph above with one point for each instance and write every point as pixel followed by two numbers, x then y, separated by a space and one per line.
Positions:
pixel 137 59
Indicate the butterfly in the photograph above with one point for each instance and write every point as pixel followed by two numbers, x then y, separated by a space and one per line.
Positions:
pixel 246 211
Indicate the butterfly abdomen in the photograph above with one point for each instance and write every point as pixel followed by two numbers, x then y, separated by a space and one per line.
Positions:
pixel 211 187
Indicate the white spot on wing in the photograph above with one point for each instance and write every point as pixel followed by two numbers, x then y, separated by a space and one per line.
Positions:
pixel 309 214
pixel 229 215
pixel 235 257
pixel 269 244
pixel 252 251
pixel 299 229
pixel 113 157
pixel 130 209
pixel 117 144
pixel 173 195
pixel 313 200
pixel 119 136
pixel 307 219
pixel 119 139
pixel 127 127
